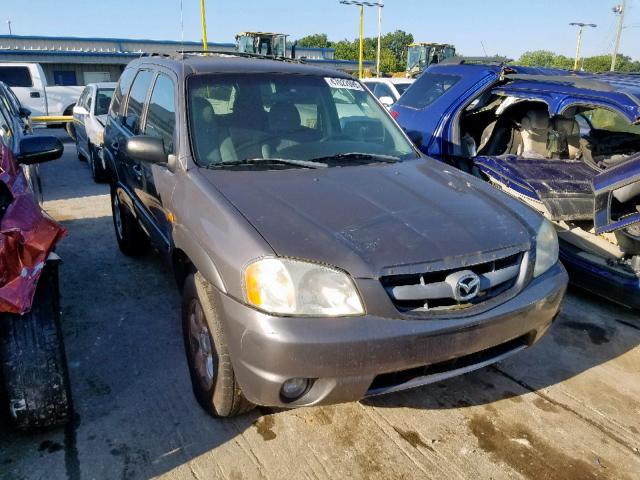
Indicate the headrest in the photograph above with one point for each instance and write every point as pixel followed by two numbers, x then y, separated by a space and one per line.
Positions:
pixel 567 125
pixel 202 110
pixel 535 120
pixel 284 117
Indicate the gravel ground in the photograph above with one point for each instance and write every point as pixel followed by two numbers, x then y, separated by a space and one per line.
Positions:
pixel 568 408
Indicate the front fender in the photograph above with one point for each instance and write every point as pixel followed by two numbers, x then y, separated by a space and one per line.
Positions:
pixel 184 240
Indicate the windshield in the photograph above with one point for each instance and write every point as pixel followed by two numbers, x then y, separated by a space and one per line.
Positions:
pixel 103 100
pixel 416 56
pixel 235 118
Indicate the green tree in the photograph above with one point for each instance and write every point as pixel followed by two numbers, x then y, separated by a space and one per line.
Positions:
pixel 599 63
pixel 317 40
pixel 397 42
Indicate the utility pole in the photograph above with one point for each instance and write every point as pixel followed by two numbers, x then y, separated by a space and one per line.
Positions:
pixel 579 47
pixel 362 4
pixel 619 10
pixel 9 23
pixel 204 26
pixel 380 5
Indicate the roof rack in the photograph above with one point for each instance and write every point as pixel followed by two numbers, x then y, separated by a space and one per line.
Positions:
pixel 476 61
pixel 231 53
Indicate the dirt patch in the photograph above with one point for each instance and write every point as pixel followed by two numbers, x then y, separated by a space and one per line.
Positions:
pixel 542 404
pixel 412 437
pixel 529 455
pixel 597 334
pixel 264 426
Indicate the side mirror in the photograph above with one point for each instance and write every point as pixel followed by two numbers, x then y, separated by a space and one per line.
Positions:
pixel 387 101
pixel 24 112
pixel 80 110
pixel 146 149
pixel 39 148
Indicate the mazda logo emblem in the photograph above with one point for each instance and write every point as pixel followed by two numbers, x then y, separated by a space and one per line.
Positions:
pixel 465 285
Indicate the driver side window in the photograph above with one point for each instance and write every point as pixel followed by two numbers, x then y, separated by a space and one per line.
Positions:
pixel 138 94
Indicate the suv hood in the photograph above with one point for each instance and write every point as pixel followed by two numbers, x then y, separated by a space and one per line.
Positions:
pixel 373 218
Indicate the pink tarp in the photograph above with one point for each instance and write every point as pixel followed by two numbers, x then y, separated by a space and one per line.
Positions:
pixel 26 239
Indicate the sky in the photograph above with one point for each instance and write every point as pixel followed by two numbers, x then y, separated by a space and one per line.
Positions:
pixel 505 27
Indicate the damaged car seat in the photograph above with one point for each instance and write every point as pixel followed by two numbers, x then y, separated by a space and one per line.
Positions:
pixel 534 130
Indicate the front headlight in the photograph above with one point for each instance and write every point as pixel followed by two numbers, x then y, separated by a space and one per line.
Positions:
pixel 293 287
pixel 546 248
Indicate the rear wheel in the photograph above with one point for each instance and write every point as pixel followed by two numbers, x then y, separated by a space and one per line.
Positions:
pixel 212 377
pixel 98 173
pixel 33 362
pixel 131 238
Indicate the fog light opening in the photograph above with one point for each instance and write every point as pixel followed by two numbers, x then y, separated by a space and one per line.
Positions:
pixel 294 388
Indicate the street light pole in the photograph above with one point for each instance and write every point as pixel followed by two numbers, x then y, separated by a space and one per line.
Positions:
pixel 380 5
pixel 618 10
pixel 361 53
pixel 579 47
pixel 9 23
pixel 204 26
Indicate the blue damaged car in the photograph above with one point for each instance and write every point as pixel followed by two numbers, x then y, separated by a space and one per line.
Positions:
pixel 565 143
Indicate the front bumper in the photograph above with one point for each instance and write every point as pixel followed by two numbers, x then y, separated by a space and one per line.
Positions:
pixel 344 356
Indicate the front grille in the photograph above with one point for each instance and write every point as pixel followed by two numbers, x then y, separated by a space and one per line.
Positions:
pixel 441 290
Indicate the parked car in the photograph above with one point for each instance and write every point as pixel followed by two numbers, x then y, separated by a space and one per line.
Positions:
pixel 89 116
pixel 387 90
pixel 545 137
pixel 29 83
pixel 33 369
pixel 321 257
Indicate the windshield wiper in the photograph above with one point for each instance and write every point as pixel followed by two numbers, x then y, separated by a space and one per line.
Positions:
pixel 358 156
pixel 287 161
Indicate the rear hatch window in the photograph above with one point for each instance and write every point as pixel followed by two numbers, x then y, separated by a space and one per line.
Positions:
pixel 427 89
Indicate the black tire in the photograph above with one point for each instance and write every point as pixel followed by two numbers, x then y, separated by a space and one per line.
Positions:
pixel 33 361
pixel 99 174
pixel 216 390
pixel 131 238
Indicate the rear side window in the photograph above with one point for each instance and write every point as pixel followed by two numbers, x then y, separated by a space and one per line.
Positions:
pixel 161 115
pixel 427 89
pixel 16 76
pixel 136 100
pixel 121 91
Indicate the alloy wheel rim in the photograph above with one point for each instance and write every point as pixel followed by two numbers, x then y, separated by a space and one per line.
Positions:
pixel 201 346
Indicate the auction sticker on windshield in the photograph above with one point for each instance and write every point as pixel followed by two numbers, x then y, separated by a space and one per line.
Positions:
pixel 343 83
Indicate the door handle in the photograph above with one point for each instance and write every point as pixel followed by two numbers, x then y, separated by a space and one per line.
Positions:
pixel 137 169
pixel 34 94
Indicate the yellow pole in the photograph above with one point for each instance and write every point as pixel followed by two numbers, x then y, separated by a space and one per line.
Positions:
pixel 361 40
pixel 204 27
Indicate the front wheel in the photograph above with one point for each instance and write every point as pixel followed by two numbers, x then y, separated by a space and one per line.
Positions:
pixel 212 376
pixel 33 362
